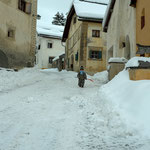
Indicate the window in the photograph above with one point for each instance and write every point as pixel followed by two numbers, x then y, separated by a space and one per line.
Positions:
pixel 143 19
pixel 74 20
pixel 49 45
pixel 24 6
pixel 95 33
pixel 51 60
pixel 39 47
pixel 11 33
pixel 76 56
pixel 95 54
pixel 133 3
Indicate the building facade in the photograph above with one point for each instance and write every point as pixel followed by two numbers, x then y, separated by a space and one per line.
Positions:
pixel 49 46
pixel 120 25
pixel 143 26
pixel 83 37
pixel 17 33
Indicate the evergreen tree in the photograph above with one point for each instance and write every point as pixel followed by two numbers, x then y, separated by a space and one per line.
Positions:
pixel 59 19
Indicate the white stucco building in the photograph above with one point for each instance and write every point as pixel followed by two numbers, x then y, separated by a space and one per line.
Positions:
pixel 49 44
pixel 119 24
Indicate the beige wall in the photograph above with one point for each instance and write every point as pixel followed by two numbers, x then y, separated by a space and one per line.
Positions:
pixel 121 29
pixel 21 48
pixel 143 35
pixel 81 34
pixel 97 43
pixel 73 47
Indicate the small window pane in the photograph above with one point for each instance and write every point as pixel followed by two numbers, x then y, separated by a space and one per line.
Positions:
pixel 49 45
pixel 95 33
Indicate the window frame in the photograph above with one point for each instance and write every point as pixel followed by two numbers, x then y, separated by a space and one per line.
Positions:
pixel 49 45
pixel 96 33
pixel 50 60
pixel 95 54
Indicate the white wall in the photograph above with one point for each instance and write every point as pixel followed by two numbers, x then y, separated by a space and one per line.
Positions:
pixel 122 25
pixel 42 56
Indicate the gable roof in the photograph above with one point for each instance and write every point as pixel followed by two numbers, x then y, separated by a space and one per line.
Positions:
pixel 85 11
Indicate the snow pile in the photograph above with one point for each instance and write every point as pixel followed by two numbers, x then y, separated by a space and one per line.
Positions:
pixel 12 79
pixel 134 62
pixel 132 98
pixel 89 10
pixel 117 60
pixel 101 77
pixel 50 30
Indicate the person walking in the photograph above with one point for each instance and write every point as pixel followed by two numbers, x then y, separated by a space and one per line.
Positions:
pixel 81 77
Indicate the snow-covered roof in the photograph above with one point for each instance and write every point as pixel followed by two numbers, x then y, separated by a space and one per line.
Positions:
pixel 134 62
pixel 85 9
pixel 49 30
pixel 118 60
pixel 100 1
pixel 57 57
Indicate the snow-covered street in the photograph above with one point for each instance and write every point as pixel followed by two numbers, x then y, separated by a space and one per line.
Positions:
pixel 46 110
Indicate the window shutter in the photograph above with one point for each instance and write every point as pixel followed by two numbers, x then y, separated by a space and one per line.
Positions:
pixel 76 56
pixel 100 55
pixel 28 8
pixel 90 54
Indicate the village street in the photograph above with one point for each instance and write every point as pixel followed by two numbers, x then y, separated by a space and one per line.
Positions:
pixel 46 110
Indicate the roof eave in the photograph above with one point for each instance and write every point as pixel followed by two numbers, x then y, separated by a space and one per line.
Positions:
pixel 108 15
pixel 98 20
pixel 50 36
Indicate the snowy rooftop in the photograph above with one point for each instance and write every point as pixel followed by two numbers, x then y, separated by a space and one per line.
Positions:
pixel 49 30
pixel 117 60
pixel 134 62
pixel 90 10
pixel 57 57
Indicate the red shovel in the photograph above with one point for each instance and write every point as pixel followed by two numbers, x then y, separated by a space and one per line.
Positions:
pixel 90 80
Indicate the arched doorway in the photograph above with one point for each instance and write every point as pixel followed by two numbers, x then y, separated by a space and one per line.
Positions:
pixel 3 60
pixel 127 54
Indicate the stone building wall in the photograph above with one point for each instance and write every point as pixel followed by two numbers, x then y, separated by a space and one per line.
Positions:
pixel 17 34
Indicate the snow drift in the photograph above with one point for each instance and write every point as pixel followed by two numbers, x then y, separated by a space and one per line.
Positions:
pixel 131 98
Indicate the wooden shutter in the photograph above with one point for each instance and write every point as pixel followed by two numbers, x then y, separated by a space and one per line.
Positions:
pixel 100 55
pixel 28 8
pixel 77 56
pixel 90 54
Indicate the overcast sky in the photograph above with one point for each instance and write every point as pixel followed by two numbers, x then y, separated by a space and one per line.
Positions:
pixel 48 8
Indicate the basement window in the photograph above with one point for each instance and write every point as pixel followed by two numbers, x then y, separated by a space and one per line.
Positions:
pixel 95 33
pixel 24 6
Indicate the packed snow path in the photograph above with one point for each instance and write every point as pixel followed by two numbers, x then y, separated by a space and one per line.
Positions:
pixel 48 111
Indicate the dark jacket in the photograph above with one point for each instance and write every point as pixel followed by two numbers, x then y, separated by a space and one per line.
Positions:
pixel 82 75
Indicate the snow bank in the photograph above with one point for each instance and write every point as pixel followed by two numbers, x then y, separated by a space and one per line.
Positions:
pixel 131 98
pixel 102 77
pixel 11 79
pixel 134 62
pixel 117 60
